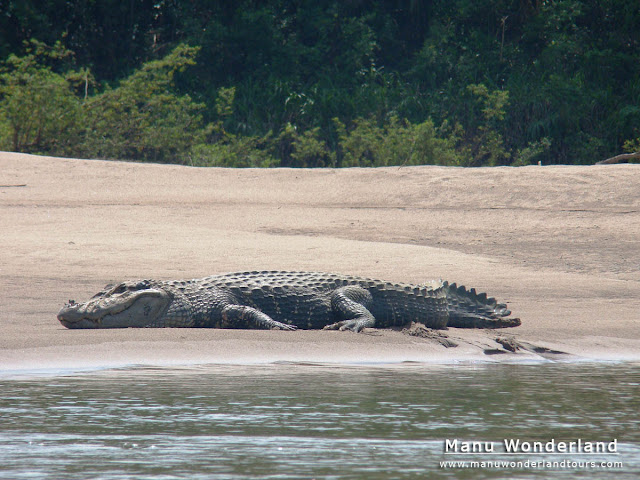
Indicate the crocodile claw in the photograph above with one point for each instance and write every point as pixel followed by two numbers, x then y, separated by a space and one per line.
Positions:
pixel 284 326
pixel 353 325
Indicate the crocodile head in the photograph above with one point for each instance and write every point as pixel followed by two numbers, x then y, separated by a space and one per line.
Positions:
pixel 129 304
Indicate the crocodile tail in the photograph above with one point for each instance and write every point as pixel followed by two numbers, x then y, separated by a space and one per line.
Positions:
pixel 468 309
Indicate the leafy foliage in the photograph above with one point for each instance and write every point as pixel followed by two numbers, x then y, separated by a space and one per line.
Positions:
pixel 323 83
pixel 143 118
pixel 396 143
pixel 40 111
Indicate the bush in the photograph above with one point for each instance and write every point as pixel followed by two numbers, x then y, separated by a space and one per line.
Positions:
pixel 233 152
pixel 396 143
pixel 143 118
pixel 39 110
pixel 46 111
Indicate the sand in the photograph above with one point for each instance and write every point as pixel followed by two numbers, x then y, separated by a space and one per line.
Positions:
pixel 558 243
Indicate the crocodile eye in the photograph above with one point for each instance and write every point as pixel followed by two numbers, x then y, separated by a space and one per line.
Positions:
pixel 104 291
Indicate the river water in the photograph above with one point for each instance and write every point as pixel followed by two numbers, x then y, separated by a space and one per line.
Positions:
pixel 293 421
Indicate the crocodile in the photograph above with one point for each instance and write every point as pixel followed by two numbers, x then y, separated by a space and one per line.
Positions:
pixel 285 301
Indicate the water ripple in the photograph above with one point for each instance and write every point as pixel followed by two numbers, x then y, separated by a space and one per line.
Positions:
pixel 289 421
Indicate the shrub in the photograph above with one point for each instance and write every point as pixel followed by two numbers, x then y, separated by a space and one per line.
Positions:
pixel 39 109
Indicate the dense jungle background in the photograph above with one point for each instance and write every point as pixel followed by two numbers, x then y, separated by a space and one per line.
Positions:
pixel 321 83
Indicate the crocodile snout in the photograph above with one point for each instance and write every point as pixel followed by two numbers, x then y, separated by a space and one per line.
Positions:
pixel 72 316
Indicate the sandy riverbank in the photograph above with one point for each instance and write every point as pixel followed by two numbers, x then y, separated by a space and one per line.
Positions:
pixel 559 244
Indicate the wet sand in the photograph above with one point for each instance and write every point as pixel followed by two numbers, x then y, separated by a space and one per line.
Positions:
pixel 559 244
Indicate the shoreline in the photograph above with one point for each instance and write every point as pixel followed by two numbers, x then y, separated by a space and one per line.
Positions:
pixel 25 372
pixel 389 349
pixel 558 244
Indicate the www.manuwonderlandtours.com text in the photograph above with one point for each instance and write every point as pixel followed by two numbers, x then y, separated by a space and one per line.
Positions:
pixel 532 464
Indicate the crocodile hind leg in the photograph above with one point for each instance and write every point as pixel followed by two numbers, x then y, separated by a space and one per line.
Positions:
pixel 351 303
pixel 241 316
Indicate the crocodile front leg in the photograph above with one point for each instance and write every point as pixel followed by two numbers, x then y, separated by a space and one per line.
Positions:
pixel 351 303
pixel 241 316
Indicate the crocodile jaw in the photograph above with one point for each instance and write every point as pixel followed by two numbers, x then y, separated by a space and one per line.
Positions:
pixel 138 308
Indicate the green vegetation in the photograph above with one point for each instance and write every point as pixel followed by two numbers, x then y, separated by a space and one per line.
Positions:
pixel 323 83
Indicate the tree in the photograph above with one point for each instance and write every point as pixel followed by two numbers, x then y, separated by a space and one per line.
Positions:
pixel 563 74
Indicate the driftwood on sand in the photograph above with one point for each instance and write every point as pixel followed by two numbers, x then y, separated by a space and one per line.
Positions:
pixel 622 158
